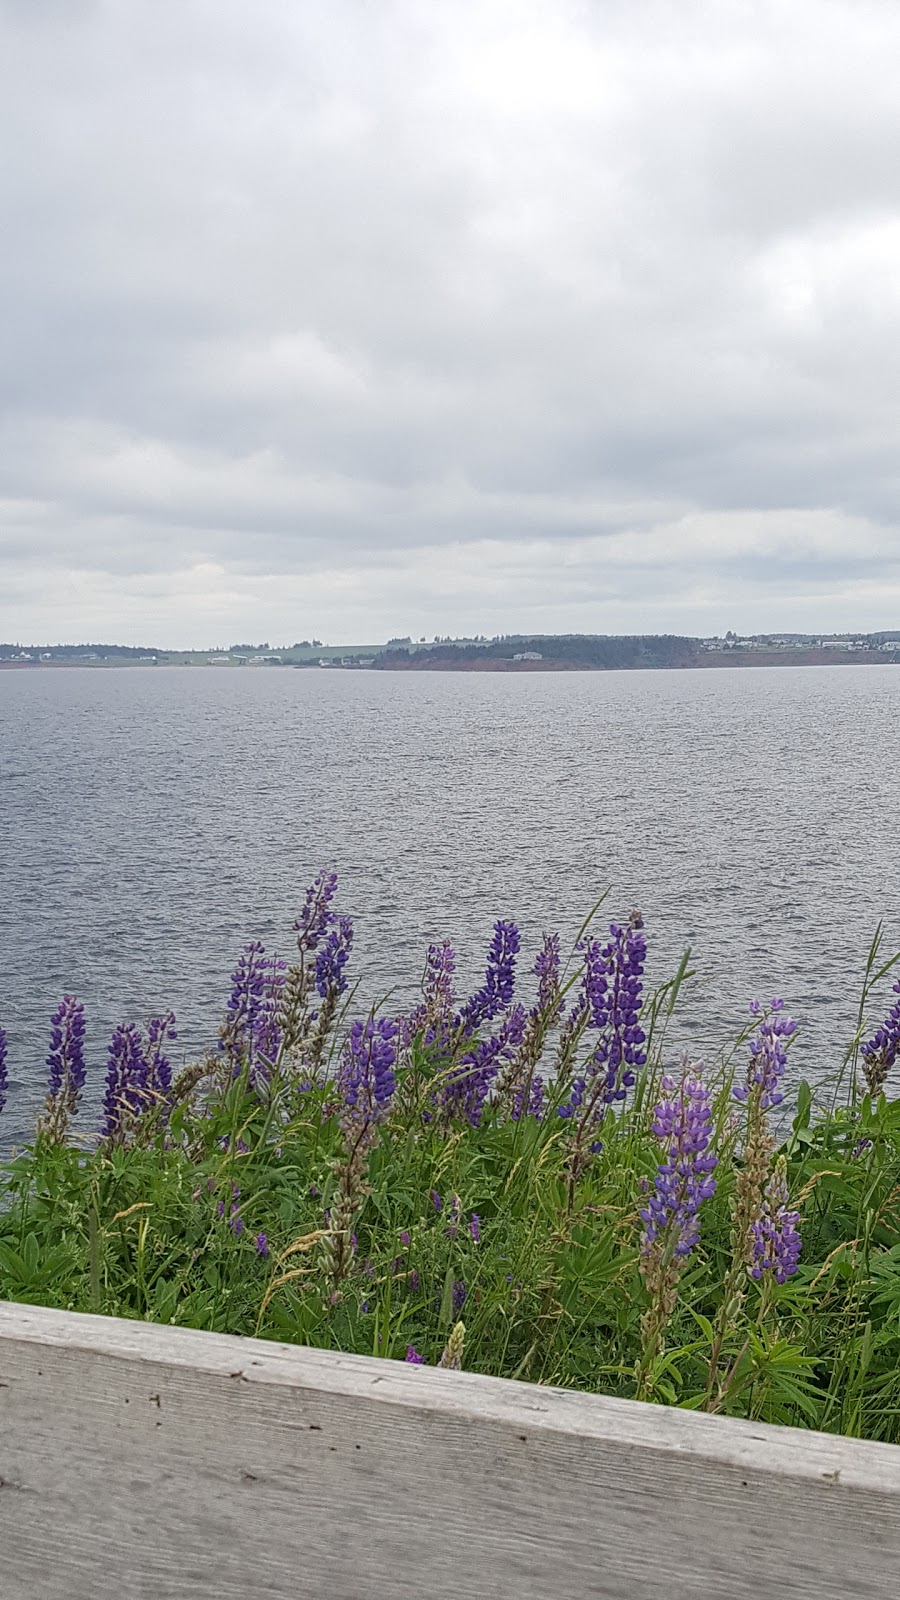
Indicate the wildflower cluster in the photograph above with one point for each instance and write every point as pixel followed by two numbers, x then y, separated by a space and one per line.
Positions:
pixel 880 1052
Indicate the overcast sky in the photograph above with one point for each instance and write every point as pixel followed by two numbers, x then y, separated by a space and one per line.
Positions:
pixel 366 317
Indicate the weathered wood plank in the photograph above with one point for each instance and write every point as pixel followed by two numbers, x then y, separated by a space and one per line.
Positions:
pixel 140 1462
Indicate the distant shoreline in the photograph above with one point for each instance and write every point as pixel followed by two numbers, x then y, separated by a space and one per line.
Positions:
pixel 709 660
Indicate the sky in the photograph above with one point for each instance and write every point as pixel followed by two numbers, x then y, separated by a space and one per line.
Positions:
pixel 364 318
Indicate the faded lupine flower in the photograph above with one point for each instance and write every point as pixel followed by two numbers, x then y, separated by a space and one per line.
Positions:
pixel 332 957
pixel 475 1227
pixel 775 1239
pixel 535 1100
pixel 760 1091
pixel 683 1123
pixel 413 1357
pixel 453 1349
pixel 4 1074
pixel 126 1082
pixel 519 1087
pixel 465 1087
pixel 497 990
pixel 546 969
pixel 434 1012
pixel 67 1067
pixel 880 1052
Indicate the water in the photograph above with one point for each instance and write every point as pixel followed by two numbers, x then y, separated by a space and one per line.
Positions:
pixel 152 820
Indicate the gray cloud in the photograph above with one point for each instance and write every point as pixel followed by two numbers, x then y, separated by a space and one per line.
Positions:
pixel 481 315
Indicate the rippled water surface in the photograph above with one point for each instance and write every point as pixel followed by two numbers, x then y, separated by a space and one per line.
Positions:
pixel 151 820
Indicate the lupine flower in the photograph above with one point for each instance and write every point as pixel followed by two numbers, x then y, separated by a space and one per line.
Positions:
pixel 413 1281
pixel 252 1032
pixel 4 1076
pixel 413 1357
pixel 546 970
pixel 880 1052
pixel 262 1245
pixel 466 1086
pixel 66 1056
pixel 159 1070
pixel 683 1122
pixel 497 990
pixel 776 1241
pixel 436 1200
pixel 404 1237
pixel 536 1097
pixel 460 1296
pixel 332 957
pixel 768 1056
pixel 315 915
pixel 611 997
pixel 366 1080
pixel 475 1227
pixel 126 1081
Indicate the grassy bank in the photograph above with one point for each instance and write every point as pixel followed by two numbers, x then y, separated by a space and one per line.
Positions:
pixel 534 1188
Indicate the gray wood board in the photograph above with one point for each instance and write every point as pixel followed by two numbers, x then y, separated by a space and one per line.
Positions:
pixel 143 1461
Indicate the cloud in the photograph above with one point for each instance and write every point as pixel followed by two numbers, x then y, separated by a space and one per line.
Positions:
pixel 475 316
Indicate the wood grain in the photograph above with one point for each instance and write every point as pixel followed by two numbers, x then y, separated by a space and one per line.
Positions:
pixel 140 1461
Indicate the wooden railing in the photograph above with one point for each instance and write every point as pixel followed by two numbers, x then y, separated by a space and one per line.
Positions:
pixel 141 1463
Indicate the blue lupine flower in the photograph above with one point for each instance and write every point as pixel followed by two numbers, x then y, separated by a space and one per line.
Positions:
pixel 497 990
pixel 332 957
pixel 683 1122
pixel 768 1055
pixel 66 1056
pixel 611 997
pixel 880 1052
pixel 262 1245
pixel 466 1086
pixel 251 1032
pixel 775 1240
pixel 366 1080
pixel 413 1357
pixel 315 915
pixel 126 1081
pixel 159 1069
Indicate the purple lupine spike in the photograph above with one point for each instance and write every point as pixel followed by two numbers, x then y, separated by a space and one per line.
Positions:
pixel 775 1240
pixel 880 1052
pixel 683 1122
pixel 475 1227
pixel 460 1296
pixel 466 1086
pixel 413 1357
pixel 332 957
pixel 4 1072
pixel 262 1245
pixel 126 1081
pixel 65 1059
pixel 497 990
pixel 366 1080
pixel 546 970
pixel 611 996
pixel 768 1055
pixel 251 1032
pixel 159 1068
pixel 315 915
pixel 536 1098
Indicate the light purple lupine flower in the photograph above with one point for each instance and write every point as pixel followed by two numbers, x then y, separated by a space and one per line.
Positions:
pixel 880 1052
pixel 315 915
pixel 251 1032
pixel 4 1074
pixel 366 1080
pixel 466 1086
pixel 497 990
pixel 436 1200
pixel 768 1055
pixel 683 1122
pixel 262 1245
pixel 434 1012
pixel 413 1357
pixel 66 1055
pixel 475 1227
pixel 126 1081
pixel 332 957
pixel 776 1242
